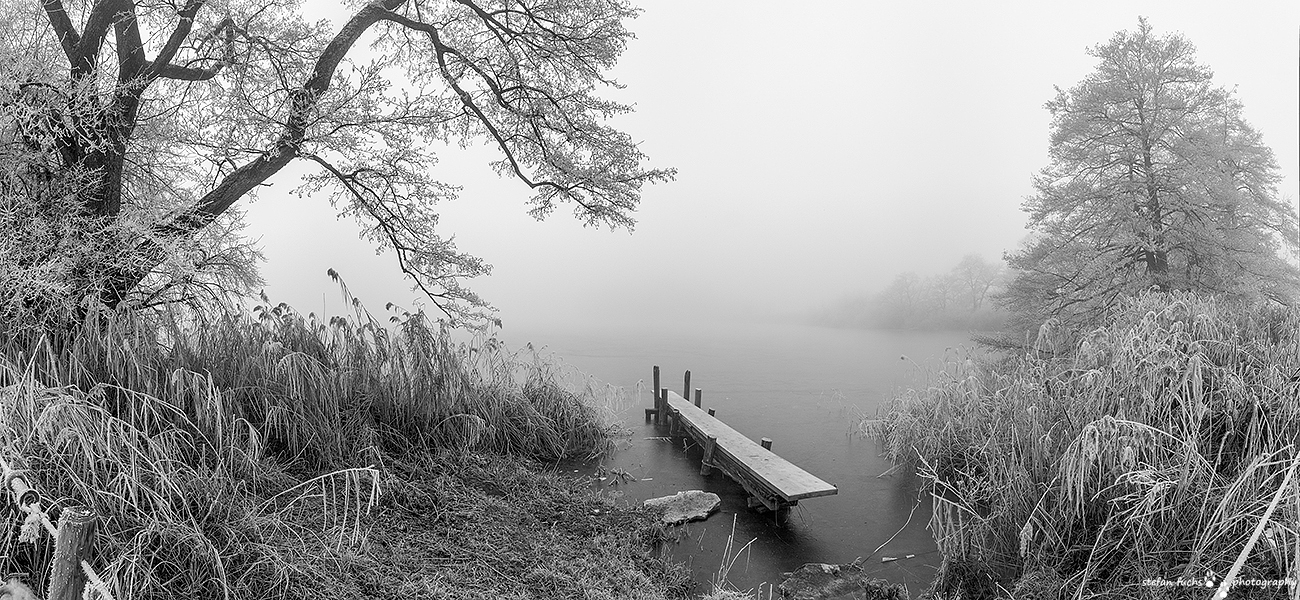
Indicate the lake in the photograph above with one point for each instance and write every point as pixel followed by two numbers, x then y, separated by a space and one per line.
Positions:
pixel 805 387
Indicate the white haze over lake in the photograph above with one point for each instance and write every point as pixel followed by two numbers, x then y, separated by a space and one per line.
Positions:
pixel 823 147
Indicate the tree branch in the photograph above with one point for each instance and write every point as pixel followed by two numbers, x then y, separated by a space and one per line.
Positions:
pixel 102 16
pixel 130 48
pixel 178 35
pixel 302 102
pixel 349 183
pixel 441 50
pixel 68 36
pixel 180 73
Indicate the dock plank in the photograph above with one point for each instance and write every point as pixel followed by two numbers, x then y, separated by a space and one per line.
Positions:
pixel 786 478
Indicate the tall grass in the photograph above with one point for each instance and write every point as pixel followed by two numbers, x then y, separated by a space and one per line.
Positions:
pixel 193 438
pixel 1150 448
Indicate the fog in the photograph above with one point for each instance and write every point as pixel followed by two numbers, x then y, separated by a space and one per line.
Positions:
pixel 822 149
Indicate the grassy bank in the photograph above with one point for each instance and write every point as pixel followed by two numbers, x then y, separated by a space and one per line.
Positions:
pixel 480 526
pixel 272 455
pixel 1151 448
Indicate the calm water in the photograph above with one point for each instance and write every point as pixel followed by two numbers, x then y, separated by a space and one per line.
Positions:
pixel 805 387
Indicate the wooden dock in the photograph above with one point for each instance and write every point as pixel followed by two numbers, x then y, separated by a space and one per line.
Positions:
pixel 773 483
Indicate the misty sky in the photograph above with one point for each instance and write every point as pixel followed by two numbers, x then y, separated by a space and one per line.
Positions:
pixel 823 147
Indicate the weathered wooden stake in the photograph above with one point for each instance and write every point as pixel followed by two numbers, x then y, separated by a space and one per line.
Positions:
pixel 766 443
pixel 663 406
pixel 710 411
pixel 675 427
pixel 698 392
pixel 686 391
pixel 650 414
pixel 706 464
pixel 655 391
pixel 73 545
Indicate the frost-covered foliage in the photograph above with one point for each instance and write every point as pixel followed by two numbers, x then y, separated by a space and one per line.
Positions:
pixel 1156 181
pixel 148 123
pixel 1153 451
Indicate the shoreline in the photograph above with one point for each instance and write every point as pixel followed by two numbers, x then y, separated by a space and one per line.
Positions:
pixel 474 526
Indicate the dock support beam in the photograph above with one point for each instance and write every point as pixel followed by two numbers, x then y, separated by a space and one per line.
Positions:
pixel 706 464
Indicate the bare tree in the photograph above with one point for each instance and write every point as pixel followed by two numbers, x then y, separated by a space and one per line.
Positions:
pixel 151 122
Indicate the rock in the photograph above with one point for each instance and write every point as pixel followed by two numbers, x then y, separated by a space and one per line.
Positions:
pixel 693 505
pixel 820 581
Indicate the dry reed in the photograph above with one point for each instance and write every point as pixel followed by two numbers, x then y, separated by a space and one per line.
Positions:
pixel 1147 449
pixel 193 438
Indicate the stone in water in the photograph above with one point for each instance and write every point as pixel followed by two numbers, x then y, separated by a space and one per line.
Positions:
pixel 691 505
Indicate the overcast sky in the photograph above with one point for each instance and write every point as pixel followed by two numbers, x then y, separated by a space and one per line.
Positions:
pixel 823 147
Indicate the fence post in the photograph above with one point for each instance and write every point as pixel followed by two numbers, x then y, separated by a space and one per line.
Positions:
pixel 73 544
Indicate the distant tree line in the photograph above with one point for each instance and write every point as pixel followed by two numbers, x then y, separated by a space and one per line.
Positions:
pixel 958 299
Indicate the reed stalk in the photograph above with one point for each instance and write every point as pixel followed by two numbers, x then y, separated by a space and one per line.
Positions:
pixel 197 438
pixel 1148 448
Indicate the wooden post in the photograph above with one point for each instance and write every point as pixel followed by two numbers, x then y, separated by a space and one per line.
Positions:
pixel 676 426
pixel 766 443
pixel 655 391
pixel 650 414
pixel 686 391
pixel 698 392
pixel 710 411
pixel 72 545
pixel 663 406
pixel 706 464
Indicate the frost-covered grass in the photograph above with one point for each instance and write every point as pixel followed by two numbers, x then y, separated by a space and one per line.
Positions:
pixel 1150 448
pixel 218 452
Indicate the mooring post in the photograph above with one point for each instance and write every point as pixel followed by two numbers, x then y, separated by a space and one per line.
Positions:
pixel 655 391
pixel 698 392
pixel 710 411
pixel 72 545
pixel 766 443
pixel 686 391
pixel 675 427
pixel 663 406
pixel 706 464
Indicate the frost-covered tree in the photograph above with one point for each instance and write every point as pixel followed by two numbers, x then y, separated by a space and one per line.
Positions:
pixel 975 277
pixel 131 131
pixel 1156 181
